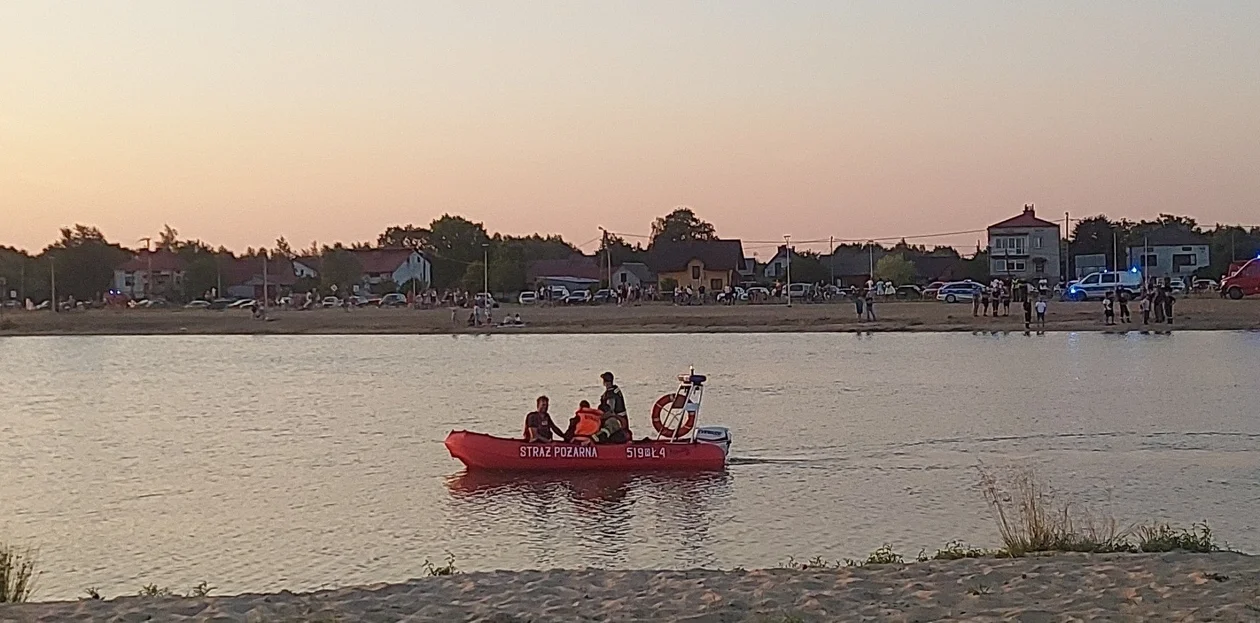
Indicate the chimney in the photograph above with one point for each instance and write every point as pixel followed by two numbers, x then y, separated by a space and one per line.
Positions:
pixel 1028 209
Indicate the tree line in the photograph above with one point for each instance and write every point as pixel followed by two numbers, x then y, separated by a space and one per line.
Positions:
pixel 84 260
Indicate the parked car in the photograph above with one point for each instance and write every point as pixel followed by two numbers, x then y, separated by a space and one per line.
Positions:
pixel 581 297
pixel 800 290
pixel 527 298
pixel 909 291
pixel 959 292
pixel 331 301
pixel 1243 282
pixel 759 292
pixel 1204 285
pixel 1096 285
pixel 241 304
pixel 1178 285
pixel 932 289
pixel 197 304
pixel 558 293
pixel 151 303
pixel 393 299
pixel 604 296
pixel 217 304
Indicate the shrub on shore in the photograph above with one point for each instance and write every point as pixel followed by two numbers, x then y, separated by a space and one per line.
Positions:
pixel 17 574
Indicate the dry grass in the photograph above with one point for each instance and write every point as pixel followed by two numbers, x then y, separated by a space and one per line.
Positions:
pixel 17 574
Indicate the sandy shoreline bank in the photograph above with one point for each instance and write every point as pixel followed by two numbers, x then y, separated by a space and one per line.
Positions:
pixel 1163 587
pixel 1206 314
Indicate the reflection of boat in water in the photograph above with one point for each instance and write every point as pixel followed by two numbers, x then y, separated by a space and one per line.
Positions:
pixel 608 486
pixel 678 445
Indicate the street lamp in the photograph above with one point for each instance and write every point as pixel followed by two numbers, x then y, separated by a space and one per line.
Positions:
pixel 485 268
pixel 787 245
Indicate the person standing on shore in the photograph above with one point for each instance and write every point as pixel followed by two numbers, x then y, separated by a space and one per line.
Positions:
pixel 975 305
pixel 1027 313
pixel 1145 306
pixel 1041 312
pixel 1109 312
pixel 859 298
pixel 1006 300
pixel 984 301
pixel 1123 298
pixel 870 304
pixel 1157 304
pixel 1169 299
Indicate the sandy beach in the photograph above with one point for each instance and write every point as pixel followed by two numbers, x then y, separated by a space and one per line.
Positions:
pixel 1065 587
pixel 1191 314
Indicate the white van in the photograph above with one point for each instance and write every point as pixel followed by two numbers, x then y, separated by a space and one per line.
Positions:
pixel 1096 285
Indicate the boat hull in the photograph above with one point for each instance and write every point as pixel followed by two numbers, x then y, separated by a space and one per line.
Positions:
pixel 478 451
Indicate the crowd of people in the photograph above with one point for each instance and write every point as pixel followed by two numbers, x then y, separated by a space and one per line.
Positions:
pixel 607 423
pixel 1155 303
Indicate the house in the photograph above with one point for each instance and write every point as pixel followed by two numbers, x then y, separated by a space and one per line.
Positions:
pixel 1025 247
pixel 306 267
pixel 633 275
pixel 712 264
pixel 938 267
pixel 397 266
pixel 776 268
pixel 853 266
pixel 1086 263
pixel 577 272
pixel 1171 252
pixel 246 277
pixel 133 279
pixel 748 271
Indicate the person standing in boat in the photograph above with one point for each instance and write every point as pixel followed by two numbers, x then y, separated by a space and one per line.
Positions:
pixel 538 424
pixel 614 402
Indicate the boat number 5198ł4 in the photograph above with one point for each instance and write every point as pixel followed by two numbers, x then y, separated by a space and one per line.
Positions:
pixel 645 452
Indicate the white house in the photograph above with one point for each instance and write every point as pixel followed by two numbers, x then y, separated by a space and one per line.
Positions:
pixel 1171 252
pixel 397 265
pixel 633 274
pixel 134 279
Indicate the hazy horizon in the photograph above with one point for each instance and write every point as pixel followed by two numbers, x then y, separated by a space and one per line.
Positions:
pixel 237 122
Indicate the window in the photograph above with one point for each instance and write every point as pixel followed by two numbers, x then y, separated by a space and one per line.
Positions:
pixel 1036 242
pixel 1091 280
pixel 999 266
pixel 1182 260
pixel 1151 260
pixel 1039 266
pixel 622 277
pixel 715 285
pixel 1109 278
pixel 695 272
pixel 1015 266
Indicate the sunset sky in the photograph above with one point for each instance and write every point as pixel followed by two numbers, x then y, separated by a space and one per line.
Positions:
pixel 240 121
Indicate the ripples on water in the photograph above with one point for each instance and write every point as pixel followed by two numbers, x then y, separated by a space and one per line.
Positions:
pixel 261 463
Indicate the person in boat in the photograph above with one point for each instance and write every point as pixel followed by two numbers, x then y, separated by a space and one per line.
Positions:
pixel 611 430
pixel 612 401
pixel 586 423
pixel 538 425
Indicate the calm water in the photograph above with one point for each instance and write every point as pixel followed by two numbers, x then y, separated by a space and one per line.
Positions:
pixel 261 463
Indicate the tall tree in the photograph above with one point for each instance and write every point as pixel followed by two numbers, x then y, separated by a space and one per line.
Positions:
pixel 404 237
pixel 454 244
pixel 284 249
pixel 896 268
pixel 681 225
pixel 169 238
pixel 339 267
pixel 621 250
pixel 84 261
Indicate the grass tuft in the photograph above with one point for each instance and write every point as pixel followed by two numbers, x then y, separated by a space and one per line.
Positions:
pixel 1161 537
pixel 17 574
pixel 432 570
pixel 1031 518
pixel 153 590
pixel 957 550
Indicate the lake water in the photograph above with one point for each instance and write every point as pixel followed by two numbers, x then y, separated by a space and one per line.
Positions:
pixel 263 463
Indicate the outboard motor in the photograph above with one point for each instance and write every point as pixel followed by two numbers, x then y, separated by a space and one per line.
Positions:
pixel 716 435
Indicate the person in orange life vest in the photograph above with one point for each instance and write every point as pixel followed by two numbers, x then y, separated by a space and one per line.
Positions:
pixel 538 425
pixel 585 423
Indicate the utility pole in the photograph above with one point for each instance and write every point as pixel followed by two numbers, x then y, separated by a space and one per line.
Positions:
pixel 266 293
pixel 148 275
pixel 603 234
pixel 870 248
pixel 485 270
pixel 52 266
pixel 1067 249
pixel 831 258
pixel 1115 251
pixel 787 244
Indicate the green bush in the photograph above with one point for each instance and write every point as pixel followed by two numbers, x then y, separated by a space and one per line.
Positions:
pixel 17 574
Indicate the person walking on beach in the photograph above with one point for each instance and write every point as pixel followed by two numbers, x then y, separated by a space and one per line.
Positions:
pixel 1109 312
pixel 1145 306
pixel 1041 312
pixel 870 304
pixel 1123 299
pixel 1027 313
pixel 984 301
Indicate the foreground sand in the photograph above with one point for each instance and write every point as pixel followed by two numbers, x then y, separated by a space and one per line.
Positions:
pixel 1142 587
pixel 1192 314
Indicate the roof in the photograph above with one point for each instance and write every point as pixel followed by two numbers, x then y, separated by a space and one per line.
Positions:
pixel 1169 237
pixel 376 261
pixel 849 262
pixel 638 269
pixel 667 257
pixel 249 271
pixel 579 266
pixel 1027 219
pixel 162 260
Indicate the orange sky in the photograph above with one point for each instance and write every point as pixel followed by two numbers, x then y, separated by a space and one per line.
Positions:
pixel 237 122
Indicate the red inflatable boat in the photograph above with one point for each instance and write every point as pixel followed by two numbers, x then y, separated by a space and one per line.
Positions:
pixel 678 445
